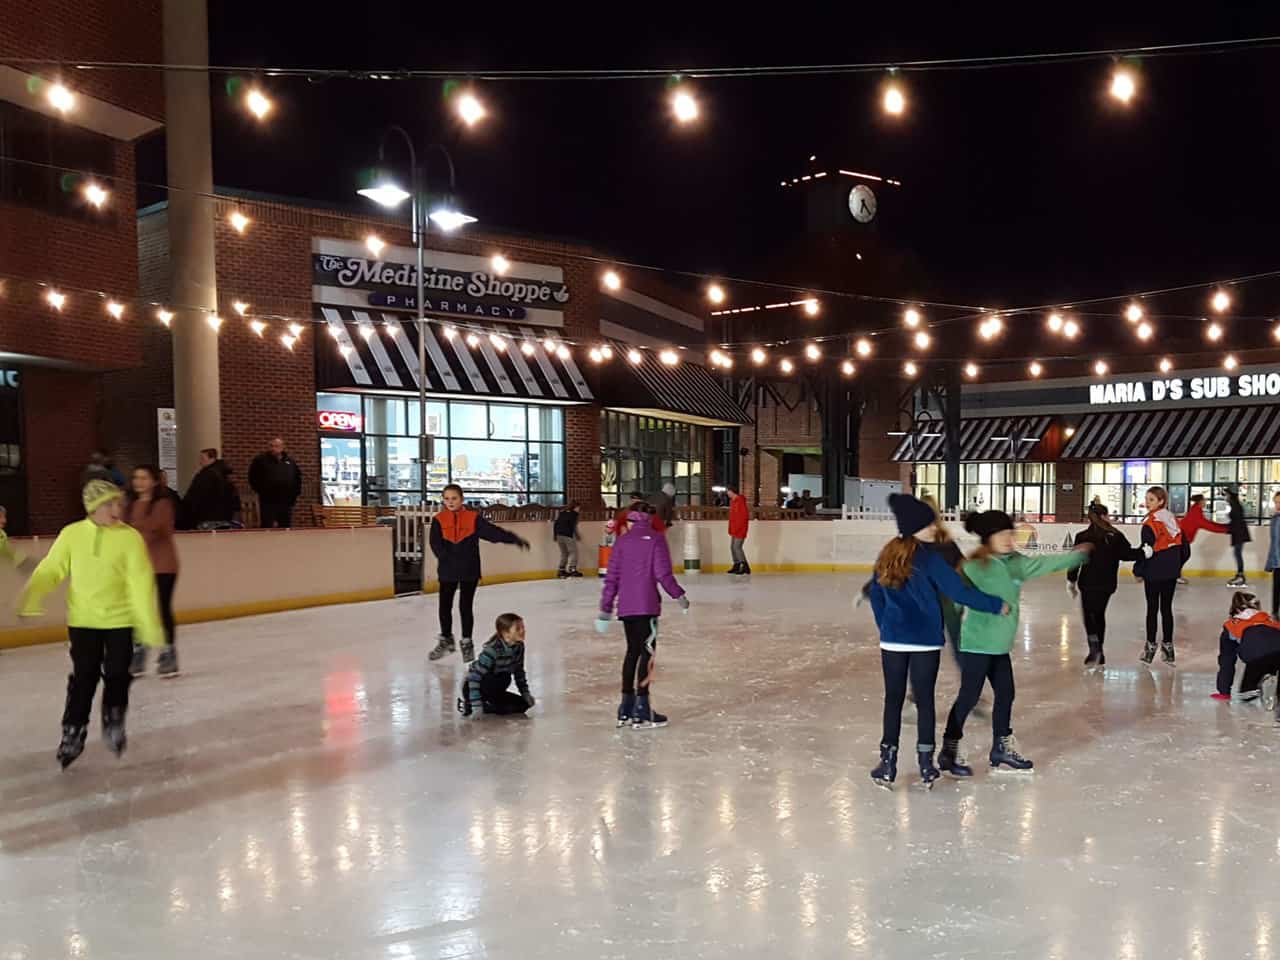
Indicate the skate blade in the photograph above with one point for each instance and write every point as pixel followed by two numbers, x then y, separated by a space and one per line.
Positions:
pixel 927 784
pixel 1004 771
pixel 883 784
pixel 170 676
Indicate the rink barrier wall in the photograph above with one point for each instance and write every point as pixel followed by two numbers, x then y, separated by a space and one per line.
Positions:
pixel 237 573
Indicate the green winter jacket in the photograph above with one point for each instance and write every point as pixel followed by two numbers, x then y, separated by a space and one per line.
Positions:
pixel 1004 576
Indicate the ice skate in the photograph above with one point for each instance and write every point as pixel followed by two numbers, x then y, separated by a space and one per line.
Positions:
pixel 949 759
pixel 72 744
pixel 138 665
pixel 643 716
pixel 1148 652
pixel 1004 753
pixel 735 570
pixel 468 650
pixel 928 772
pixel 746 570
pixel 1268 691
pixel 887 770
pixel 1237 581
pixel 444 646
pixel 625 708
pixel 1166 652
pixel 1095 657
pixel 573 574
pixel 113 730
pixel 167 663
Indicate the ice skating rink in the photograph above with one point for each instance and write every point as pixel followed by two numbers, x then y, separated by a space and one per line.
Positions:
pixel 307 790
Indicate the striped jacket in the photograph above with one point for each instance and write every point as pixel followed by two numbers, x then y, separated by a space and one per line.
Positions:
pixel 497 657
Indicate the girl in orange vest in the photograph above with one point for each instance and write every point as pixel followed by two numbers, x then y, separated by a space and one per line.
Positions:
pixel 1252 636
pixel 1160 570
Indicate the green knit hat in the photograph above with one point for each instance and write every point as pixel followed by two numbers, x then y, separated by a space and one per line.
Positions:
pixel 99 492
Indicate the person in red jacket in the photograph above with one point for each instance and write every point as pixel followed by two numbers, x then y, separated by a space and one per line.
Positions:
pixel 1195 521
pixel 739 522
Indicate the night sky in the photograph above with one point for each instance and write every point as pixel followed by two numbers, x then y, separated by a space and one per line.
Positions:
pixel 1021 185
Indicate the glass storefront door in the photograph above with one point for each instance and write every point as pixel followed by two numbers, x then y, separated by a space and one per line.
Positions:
pixel 341 477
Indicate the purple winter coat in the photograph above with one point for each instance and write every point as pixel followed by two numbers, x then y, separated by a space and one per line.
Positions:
pixel 639 562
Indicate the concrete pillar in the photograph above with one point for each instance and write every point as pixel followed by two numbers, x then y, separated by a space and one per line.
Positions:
pixel 196 391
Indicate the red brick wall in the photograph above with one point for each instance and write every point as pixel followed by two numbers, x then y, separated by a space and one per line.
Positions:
pixel 59 409
pixel 582 455
pixel 778 427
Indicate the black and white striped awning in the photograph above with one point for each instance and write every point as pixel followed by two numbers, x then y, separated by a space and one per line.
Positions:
pixel 387 359
pixel 687 388
pixel 1206 432
pixel 994 438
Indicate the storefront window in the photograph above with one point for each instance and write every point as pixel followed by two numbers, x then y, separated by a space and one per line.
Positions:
pixel 1026 491
pixel 1126 482
pixel 643 453
pixel 481 446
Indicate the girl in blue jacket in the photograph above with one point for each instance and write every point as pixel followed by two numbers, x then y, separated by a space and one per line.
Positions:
pixel 904 597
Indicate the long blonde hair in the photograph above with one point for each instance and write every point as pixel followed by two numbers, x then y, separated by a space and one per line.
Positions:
pixel 893 566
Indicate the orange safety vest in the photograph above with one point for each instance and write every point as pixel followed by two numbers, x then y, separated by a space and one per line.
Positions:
pixel 1164 539
pixel 1236 626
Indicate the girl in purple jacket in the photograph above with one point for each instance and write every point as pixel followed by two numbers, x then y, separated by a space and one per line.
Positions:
pixel 639 562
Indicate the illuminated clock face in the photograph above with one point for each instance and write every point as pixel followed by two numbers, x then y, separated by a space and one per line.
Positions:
pixel 862 203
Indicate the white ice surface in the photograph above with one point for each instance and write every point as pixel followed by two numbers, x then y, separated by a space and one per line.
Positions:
pixel 306 790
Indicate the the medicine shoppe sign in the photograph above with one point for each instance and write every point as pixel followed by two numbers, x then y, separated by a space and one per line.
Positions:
pixel 344 273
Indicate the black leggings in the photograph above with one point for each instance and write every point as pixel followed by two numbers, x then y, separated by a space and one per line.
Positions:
pixel 466 590
pixel 1238 550
pixel 922 669
pixel 1160 600
pixel 1094 605
pixel 1255 670
pixel 95 654
pixel 975 670
pixel 642 644
pixel 495 697
pixel 165 582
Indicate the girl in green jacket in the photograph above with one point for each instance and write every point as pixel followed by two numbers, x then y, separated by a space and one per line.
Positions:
pixel 985 640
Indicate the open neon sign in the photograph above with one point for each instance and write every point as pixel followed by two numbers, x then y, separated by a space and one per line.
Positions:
pixel 339 420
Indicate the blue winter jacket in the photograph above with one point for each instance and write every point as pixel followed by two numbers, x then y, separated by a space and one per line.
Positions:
pixel 1273 551
pixel 911 614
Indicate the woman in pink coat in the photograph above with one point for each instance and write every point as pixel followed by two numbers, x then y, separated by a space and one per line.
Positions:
pixel 639 562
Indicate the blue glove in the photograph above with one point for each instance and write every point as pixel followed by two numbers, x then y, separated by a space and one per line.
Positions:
pixel 602 622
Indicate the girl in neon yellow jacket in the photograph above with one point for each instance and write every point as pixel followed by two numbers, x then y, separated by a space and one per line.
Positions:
pixel 111 600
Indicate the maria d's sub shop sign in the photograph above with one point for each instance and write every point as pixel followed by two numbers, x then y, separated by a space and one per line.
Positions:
pixel 1251 386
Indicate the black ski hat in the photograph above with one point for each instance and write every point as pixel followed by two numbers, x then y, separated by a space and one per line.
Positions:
pixel 912 515
pixel 988 523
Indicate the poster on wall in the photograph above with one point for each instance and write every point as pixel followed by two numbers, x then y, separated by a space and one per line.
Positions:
pixel 167 440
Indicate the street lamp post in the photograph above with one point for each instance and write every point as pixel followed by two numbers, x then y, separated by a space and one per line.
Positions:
pixel 387 193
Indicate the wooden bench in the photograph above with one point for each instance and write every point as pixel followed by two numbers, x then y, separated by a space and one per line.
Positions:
pixel 345 516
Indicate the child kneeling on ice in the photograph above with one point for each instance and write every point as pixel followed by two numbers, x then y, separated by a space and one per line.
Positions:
pixel 986 640
pixel 1252 636
pixel 487 687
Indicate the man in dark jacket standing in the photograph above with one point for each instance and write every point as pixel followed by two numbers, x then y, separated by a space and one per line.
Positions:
pixel 566 534
pixel 277 481
pixel 212 497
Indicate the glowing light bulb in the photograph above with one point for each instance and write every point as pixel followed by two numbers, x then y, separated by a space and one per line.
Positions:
pixel 1221 300
pixel 375 244
pixel 214 321
pixel 1213 332
pixel 595 355
pixel 240 307
pixel 1055 322
pixel 685 106
pixel 910 369
pixel 758 356
pixel 498 342
pixel 635 357
pixel 470 110
pixel 55 299
pixel 612 280
pixel 811 307
pixel 669 357
pixel 258 103
pixel 473 340
pixel 813 351
pixel 239 222
pixel 95 195
pixel 1144 331
pixel 549 345
pixel 1123 85
pixel 911 317
pixel 1070 329
pixel 1275 331
pixel 562 352
pixel 716 358
pixel 991 327
pixel 366 331
pixel 60 98
pixel 1165 364
pixel 288 341
pixel 1100 368
pixel 847 368
pixel 1133 313
pixel 971 370
pixel 922 340
pixel 606 351
pixel 258 327
pixel 715 293
pixel 450 332
pixel 863 347
pixel 295 330
pixel 164 316
pixel 1034 368
pixel 500 264
pixel 1069 432
pixel 786 366
pixel 115 309
pixel 527 348
pixel 894 100
pixel 1230 362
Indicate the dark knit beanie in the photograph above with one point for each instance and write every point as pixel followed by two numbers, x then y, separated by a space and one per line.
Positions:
pixel 987 523
pixel 912 515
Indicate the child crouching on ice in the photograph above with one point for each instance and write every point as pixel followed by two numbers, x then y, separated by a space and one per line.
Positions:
pixel 1252 636
pixel 986 640
pixel 501 660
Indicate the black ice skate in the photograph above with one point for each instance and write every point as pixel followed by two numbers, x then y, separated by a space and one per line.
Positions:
pixel 72 745
pixel 444 646
pixel 1095 657
pixel 468 650
pixel 625 708
pixel 928 772
pixel 167 663
pixel 1166 651
pixel 746 570
pixel 113 730
pixel 643 716
pixel 887 770
pixel 1004 753
pixel 949 759
pixel 1148 652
